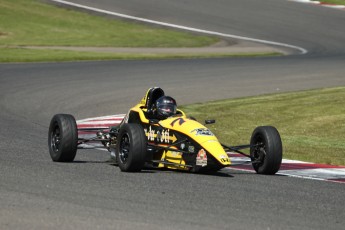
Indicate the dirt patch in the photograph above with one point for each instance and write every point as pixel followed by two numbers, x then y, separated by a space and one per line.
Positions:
pixel 3 34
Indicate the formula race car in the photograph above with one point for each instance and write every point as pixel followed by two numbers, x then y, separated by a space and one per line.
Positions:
pixel 156 134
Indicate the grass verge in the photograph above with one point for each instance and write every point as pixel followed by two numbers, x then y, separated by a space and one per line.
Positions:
pixel 48 55
pixel 35 23
pixel 311 123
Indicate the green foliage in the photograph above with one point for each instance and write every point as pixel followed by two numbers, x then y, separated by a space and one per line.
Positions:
pixel 311 123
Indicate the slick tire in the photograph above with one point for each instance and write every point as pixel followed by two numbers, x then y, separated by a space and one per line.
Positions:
pixel 131 148
pixel 266 150
pixel 63 138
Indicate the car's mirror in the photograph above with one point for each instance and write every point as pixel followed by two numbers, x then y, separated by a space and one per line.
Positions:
pixel 212 121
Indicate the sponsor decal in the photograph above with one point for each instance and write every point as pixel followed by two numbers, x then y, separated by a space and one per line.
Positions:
pixel 202 132
pixel 175 154
pixel 191 149
pixel 224 159
pixel 161 136
pixel 201 158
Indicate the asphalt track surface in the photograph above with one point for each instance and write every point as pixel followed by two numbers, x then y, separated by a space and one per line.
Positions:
pixel 90 193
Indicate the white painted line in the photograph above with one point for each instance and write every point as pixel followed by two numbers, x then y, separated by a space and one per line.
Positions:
pixel 320 173
pixel 300 49
pixel 306 1
pixel 334 6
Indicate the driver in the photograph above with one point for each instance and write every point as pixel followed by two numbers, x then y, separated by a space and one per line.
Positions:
pixel 164 107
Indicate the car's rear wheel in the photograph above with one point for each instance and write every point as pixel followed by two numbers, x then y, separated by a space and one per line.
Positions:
pixel 266 150
pixel 131 148
pixel 63 138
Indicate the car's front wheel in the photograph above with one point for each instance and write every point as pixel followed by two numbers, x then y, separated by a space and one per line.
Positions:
pixel 266 150
pixel 131 148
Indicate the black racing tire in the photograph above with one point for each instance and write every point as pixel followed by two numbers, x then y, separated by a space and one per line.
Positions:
pixel 266 150
pixel 63 138
pixel 131 148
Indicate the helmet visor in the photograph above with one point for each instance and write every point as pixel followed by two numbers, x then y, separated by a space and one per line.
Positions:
pixel 167 109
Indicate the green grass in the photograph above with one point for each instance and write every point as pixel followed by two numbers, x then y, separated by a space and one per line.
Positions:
pixel 48 55
pixel 311 123
pixel 337 2
pixel 31 22
pixel 35 23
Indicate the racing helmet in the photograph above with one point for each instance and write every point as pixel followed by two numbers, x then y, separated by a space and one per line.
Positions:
pixel 165 107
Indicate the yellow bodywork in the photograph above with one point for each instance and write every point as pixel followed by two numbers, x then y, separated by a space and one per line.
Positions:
pixel 182 124
pixel 191 129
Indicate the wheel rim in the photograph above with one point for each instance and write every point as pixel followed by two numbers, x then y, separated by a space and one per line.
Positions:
pixel 124 148
pixel 55 139
pixel 259 153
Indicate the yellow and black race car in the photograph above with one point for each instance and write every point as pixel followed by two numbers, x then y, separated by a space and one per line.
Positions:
pixel 155 133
